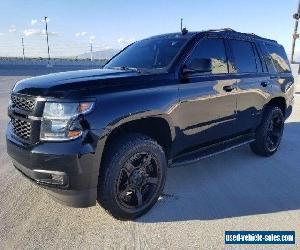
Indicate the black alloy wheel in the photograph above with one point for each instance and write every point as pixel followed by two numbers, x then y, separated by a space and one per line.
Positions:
pixel 132 176
pixel 274 131
pixel 269 133
pixel 138 181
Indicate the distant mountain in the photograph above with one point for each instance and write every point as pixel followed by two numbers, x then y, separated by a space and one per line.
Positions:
pixel 101 54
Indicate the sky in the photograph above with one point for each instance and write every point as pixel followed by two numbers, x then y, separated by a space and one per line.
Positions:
pixel 72 25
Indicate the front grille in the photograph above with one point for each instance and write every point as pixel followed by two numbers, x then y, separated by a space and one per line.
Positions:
pixel 21 128
pixel 25 113
pixel 23 103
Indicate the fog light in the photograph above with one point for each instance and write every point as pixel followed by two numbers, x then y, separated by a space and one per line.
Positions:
pixel 51 177
pixel 57 179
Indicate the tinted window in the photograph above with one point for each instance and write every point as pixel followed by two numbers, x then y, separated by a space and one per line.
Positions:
pixel 279 58
pixel 153 53
pixel 214 50
pixel 244 56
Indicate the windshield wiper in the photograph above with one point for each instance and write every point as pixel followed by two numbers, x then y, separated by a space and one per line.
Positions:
pixel 127 68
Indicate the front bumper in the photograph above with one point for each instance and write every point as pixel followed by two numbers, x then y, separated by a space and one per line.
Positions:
pixel 68 170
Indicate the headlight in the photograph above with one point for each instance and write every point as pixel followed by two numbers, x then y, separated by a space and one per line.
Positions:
pixel 59 120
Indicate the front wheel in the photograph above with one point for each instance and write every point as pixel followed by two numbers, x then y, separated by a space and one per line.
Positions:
pixel 133 176
pixel 269 133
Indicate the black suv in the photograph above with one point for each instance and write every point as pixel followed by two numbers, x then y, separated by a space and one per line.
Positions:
pixel 109 134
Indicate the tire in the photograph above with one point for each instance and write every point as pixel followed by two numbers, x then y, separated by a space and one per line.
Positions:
pixel 132 176
pixel 268 135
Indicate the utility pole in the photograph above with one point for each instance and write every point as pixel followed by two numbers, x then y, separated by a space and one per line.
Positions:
pixel 91 50
pixel 181 19
pixel 23 49
pixel 47 39
pixel 296 16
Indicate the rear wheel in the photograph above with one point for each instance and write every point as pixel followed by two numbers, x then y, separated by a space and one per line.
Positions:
pixel 133 176
pixel 269 133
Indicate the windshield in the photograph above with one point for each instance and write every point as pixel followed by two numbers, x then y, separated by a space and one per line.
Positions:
pixel 153 53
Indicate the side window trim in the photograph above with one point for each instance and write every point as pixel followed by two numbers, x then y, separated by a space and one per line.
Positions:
pixel 230 59
pixel 270 68
pixel 262 55
pixel 226 54
pixel 259 67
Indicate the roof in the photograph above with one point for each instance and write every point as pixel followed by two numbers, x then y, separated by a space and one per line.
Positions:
pixel 224 32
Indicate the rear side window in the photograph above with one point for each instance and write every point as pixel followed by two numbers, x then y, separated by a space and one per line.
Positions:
pixel 214 49
pixel 279 58
pixel 245 58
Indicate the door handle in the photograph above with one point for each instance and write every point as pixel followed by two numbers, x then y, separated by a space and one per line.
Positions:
pixel 264 84
pixel 228 88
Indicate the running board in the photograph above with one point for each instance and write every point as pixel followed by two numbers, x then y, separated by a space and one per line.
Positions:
pixel 210 150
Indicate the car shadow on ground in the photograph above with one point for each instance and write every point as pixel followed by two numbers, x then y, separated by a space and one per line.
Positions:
pixel 233 184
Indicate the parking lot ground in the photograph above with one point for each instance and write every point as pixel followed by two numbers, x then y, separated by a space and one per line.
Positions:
pixel 236 190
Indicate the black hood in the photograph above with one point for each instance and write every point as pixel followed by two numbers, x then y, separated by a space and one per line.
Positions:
pixel 86 81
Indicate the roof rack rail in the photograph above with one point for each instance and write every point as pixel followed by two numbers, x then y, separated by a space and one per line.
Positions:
pixel 222 29
pixel 241 33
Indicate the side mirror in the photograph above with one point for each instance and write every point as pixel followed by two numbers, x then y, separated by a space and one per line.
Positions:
pixel 198 65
